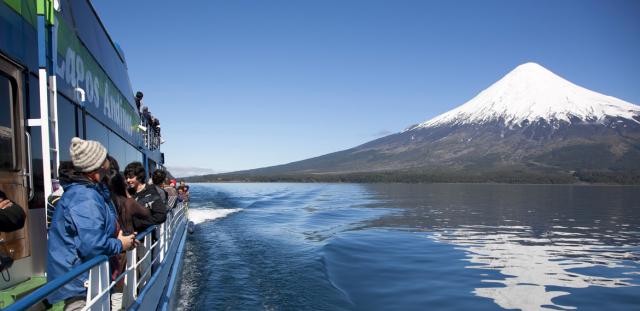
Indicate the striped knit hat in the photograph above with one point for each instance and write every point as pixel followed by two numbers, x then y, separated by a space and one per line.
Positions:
pixel 87 155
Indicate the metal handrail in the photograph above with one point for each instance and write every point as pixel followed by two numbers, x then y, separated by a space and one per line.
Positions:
pixel 44 291
pixel 50 287
pixel 148 252
pixel 144 233
pixel 151 280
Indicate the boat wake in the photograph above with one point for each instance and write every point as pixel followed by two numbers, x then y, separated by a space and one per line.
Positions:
pixel 200 215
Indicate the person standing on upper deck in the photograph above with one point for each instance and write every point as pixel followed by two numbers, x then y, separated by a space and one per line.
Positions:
pixel 138 99
pixel 84 223
pixel 146 195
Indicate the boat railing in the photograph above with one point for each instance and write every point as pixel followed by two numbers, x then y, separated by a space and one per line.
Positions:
pixel 142 262
pixel 151 136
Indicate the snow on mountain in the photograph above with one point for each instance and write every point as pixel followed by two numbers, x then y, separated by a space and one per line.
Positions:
pixel 530 92
pixel 185 171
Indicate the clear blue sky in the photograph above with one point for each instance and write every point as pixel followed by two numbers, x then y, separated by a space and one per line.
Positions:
pixel 247 84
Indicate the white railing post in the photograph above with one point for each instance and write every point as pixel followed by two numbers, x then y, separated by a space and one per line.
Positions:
pixel 161 241
pixel 129 292
pixel 143 249
pixel 105 281
pixel 168 226
pixel 93 288
pixel 99 280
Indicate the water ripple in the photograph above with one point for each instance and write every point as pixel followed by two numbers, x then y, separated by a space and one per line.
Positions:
pixel 531 265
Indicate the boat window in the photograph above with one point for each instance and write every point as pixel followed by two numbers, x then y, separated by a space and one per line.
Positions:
pixel 122 151
pixel 66 126
pixel 80 125
pixel 7 159
pixel 133 154
pixel 117 147
pixel 96 131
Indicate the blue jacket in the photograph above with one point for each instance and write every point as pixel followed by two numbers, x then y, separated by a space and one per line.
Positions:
pixel 83 226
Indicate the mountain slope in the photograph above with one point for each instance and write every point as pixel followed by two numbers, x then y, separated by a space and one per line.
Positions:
pixel 530 122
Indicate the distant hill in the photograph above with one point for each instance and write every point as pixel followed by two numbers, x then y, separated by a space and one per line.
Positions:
pixel 531 126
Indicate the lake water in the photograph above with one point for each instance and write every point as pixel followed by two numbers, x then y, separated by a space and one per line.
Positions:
pixel 412 247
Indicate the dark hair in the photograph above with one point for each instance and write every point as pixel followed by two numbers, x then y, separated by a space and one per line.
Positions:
pixel 139 95
pixel 158 177
pixel 114 180
pixel 113 164
pixel 135 169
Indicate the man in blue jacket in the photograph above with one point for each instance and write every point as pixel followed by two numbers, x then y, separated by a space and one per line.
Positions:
pixel 84 223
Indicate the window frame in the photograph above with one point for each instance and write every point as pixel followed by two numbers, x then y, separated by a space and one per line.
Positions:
pixel 13 88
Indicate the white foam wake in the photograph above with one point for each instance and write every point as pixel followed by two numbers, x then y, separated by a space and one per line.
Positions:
pixel 200 215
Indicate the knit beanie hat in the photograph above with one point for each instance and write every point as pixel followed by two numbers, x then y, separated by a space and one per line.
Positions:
pixel 87 155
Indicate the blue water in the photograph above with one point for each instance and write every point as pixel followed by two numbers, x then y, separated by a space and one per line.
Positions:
pixel 412 247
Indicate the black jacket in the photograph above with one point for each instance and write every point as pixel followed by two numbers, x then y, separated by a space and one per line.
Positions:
pixel 150 199
pixel 12 218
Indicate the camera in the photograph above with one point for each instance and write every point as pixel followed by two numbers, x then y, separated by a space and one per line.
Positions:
pixel 5 261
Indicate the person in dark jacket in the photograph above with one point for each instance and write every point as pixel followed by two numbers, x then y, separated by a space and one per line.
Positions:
pixel 146 195
pixel 84 223
pixel 12 216
pixel 157 179
pixel 64 172
pixel 172 194
pixel 146 115
pixel 184 185
pixel 138 100
pixel 127 209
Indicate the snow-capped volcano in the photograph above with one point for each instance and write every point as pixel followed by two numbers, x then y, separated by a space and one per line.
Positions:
pixel 530 126
pixel 532 93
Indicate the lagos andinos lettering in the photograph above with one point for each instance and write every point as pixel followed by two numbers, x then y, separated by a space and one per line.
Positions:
pixel 76 67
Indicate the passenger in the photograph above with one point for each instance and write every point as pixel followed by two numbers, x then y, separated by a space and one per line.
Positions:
pixel 84 223
pixel 183 195
pixel 180 194
pixel 155 124
pixel 138 100
pixel 147 196
pixel 53 199
pixel 64 172
pixel 127 210
pixel 172 194
pixel 184 185
pixel 156 132
pixel 146 115
pixel 12 216
pixel 157 180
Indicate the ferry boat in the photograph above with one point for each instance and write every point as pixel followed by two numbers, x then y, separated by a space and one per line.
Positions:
pixel 62 76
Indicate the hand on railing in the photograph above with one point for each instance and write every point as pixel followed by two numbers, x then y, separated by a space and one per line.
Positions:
pixel 128 241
